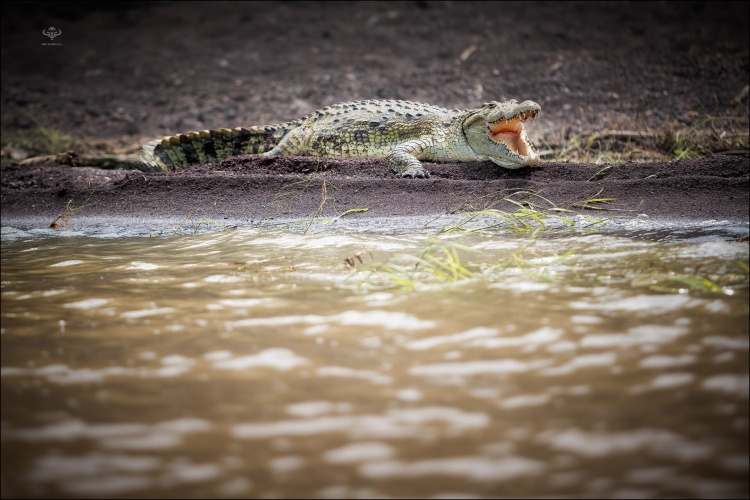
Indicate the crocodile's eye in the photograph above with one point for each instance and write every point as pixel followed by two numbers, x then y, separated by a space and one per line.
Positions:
pixel 489 105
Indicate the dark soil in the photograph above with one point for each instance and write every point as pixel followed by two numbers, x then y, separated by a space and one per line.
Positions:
pixel 245 188
pixel 161 69
pixel 131 72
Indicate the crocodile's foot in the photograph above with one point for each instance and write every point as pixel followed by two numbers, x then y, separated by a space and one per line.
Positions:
pixel 421 173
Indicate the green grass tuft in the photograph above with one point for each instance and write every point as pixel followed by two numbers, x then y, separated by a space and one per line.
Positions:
pixel 531 213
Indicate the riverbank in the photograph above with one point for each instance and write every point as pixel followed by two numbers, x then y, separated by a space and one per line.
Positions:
pixel 251 191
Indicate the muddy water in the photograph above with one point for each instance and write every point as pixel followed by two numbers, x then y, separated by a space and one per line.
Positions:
pixel 260 363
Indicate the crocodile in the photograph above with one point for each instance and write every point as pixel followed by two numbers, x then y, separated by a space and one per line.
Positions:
pixel 404 132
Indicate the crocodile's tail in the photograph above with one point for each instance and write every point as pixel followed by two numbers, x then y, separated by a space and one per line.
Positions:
pixel 209 146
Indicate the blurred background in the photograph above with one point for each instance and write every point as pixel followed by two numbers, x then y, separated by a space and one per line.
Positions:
pixel 123 72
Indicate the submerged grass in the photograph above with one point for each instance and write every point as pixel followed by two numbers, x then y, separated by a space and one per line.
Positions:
pixel 439 265
pixel 444 264
pixel 725 280
pixel 263 269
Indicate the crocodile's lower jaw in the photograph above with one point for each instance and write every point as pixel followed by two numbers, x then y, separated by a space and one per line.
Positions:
pixel 513 135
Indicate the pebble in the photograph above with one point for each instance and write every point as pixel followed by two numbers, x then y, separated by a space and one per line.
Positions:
pixel 19 154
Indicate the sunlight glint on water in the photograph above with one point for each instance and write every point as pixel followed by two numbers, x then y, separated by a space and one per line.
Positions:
pixel 257 363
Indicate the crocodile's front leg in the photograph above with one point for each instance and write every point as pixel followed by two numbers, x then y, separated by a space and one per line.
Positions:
pixel 403 158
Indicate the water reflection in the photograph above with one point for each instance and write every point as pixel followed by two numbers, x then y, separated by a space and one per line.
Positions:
pixel 259 364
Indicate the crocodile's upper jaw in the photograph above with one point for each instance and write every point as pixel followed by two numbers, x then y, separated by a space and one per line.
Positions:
pixel 502 123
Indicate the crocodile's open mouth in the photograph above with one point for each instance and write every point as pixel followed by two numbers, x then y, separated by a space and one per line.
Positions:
pixel 512 133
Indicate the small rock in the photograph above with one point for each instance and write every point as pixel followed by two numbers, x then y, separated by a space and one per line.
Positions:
pixel 19 154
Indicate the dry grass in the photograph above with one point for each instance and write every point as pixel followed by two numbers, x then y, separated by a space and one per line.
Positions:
pixel 292 192
pixel 193 226
pixel 64 219
pixel 39 141
pixel 712 135
pixel 44 144
pixel 47 146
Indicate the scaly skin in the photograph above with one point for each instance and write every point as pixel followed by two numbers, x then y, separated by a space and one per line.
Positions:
pixel 403 132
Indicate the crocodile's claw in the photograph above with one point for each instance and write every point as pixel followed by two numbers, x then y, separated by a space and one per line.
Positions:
pixel 423 174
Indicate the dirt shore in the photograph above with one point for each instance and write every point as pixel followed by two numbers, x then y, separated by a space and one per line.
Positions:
pixel 249 188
